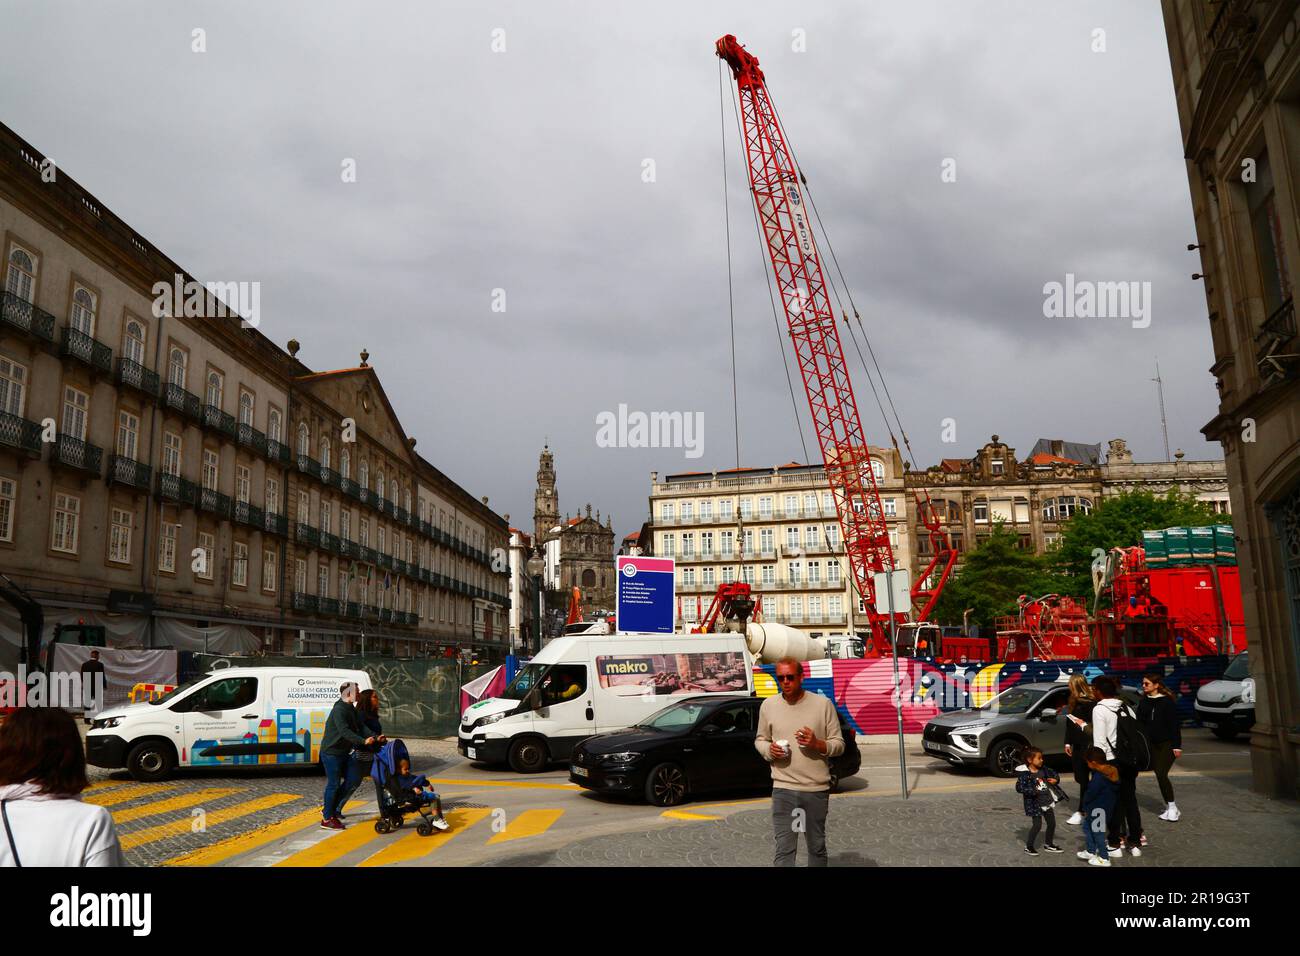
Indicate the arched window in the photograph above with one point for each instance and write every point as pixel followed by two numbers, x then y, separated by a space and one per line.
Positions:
pixel 345 463
pixel 588 578
pixel 364 474
pixel 273 425
pixel 246 409
pixel 83 311
pixel 406 499
pixel 954 511
pixel 379 484
pixel 214 389
pixel 20 278
pixel 877 469
pixel 393 495
pixel 133 342
pixel 176 367
pixel 324 452
pixel 304 439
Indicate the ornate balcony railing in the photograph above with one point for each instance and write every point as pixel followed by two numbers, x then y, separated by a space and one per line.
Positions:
pixel 129 472
pixel 329 476
pixel 273 523
pixel 329 542
pixel 18 432
pixel 365 495
pixel 218 420
pixel 385 561
pixel 277 451
pixel 20 314
pixel 401 514
pixel 78 454
pixel 308 465
pixel 249 514
pixel 176 489
pixel 347 548
pixel 181 401
pixel 214 501
pixel 365 555
pixel 249 437
pixel 306 534
pixel 131 374
pixel 84 348
pixel 348 487
pixel 305 602
pixel 328 605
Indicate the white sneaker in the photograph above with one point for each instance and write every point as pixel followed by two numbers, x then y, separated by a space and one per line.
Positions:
pixel 1172 814
pixel 1136 851
pixel 1099 861
pixel 1084 855
pixel 1165 815
pixel 1116 852
pixel 1075 819
pixel 438 823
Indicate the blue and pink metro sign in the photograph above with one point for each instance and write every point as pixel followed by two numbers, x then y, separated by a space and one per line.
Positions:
pixel 645 595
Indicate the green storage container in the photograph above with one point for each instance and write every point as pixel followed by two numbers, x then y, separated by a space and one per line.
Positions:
pixel 1203 545
pixel 1225 545
pixel 1178 546
pixel 1153 542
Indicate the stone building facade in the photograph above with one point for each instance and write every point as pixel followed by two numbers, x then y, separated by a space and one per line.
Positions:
pixel 185 482
pixel 579 551
pixel 1236 75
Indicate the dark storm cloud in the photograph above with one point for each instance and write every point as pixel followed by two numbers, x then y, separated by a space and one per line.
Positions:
pixel 522 171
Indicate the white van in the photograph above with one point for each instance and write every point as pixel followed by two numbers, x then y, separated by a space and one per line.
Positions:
pixel 587 684
pixel 232 717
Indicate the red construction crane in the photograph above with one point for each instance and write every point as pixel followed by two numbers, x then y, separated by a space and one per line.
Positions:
pixel 786 225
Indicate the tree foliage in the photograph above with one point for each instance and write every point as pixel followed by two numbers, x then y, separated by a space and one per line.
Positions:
pixel 992 577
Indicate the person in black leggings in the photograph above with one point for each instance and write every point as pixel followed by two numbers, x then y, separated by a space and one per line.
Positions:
pixel 1078 736
pixel 1157 712
pixel 1032 782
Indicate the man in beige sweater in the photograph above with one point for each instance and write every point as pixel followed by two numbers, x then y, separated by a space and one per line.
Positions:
pixel 798 733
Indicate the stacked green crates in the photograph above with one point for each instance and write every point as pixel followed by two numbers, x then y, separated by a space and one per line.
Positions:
pixel 1153 543
pixel 1178 546
pixel 1203 549
pixel 1225 545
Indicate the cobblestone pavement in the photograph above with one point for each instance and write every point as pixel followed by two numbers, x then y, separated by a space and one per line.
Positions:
pixel 1224 824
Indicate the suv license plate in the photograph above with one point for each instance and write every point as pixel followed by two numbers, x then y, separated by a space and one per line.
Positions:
pixel 580 771
pixel 471 753
pixel 930 746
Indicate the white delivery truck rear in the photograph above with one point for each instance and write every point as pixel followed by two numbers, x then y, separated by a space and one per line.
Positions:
pixel 235 717
pixel 588 684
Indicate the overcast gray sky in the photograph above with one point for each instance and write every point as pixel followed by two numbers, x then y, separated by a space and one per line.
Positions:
pixel 522 170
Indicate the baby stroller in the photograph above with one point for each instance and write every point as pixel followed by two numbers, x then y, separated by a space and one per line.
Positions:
pixel 394 800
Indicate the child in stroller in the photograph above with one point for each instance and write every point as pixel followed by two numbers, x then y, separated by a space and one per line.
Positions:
pixel 400 792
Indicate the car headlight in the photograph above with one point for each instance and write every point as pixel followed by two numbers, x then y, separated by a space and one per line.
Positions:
pixel 621 758
pixel 490 719
pixel 962 727
pixel 106 723
pixel 968 741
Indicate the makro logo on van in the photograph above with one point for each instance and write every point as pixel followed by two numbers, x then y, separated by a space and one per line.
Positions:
pixel 613 666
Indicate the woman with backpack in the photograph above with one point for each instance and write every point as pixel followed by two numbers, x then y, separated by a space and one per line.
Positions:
pixel 1116 731
pixel 1078 736
pixel 1158 714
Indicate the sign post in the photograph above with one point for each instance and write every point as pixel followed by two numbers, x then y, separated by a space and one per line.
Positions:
pixel 645 594
pixel 894 590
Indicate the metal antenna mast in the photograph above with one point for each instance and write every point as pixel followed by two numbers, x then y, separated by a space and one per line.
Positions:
pixel 1160 393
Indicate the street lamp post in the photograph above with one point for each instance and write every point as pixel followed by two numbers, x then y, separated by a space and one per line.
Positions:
pixel 536 565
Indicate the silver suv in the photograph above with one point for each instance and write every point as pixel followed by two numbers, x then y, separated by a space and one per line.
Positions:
pixel 993 734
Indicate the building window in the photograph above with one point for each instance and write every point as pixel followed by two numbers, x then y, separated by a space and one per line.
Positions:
pixel 215 389
pixel 706 510
pixel 268 571
pixel 133 338
pixel 119 537
pixel 980 511
pixel 792 538
pixel 67 516
pixel 13 386
pixel 380 539
pixel 128 435
pixel 167 547
pixel 767 541
pixel 835 605
pixel 300 576
pixel 708 576
pixel 796 608
pixel 746 508
pixel 207 545
pixel 728 539
pixel 210 467
pixel 20 278
pixel 728 574
pixel 83 311
pixel 1266 226
pixel 345 524
pixel 239 566
pixel 322 580
pixel 379 484
pixel 795 570
pixel 832 536
pixel 246 407
pixel 324 452
pixel 815 608
pixel 326 518
pixel 667 543
pixel 273 426
pixel 8 497
pixel 304 439
pixel 243 484
pixel 304 506
pixel 345 463
pixel 272 496
pixel 769 574
pixel 997 467
pixel 891 507
pixel 688 544
pixel 814 572
pixel 76 405
pixel 765 507
pixel 392 492
pixel 833 572
pixel 688 576
pixel 176 363
pixel 877 470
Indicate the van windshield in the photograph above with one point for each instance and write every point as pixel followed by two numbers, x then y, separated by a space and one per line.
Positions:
pixel 178 690
pixel 1239 669
pixel 527 678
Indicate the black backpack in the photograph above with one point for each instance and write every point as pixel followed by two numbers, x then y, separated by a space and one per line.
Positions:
pixel 1132 749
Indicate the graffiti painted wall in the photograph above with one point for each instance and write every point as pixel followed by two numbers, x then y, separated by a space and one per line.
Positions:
pixel 863 689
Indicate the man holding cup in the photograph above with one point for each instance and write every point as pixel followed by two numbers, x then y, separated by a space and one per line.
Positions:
pixel 798 733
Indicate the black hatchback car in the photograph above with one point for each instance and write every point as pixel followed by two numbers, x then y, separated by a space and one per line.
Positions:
pixel 692 746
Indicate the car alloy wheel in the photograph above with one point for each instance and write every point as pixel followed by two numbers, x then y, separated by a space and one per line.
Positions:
pixel 1005 756
pixel 666 785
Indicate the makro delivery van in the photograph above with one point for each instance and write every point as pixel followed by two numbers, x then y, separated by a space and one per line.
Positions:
pixel 232 717
pixel 590 683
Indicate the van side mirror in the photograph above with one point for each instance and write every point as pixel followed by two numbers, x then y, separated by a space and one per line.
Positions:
pixel 1048 714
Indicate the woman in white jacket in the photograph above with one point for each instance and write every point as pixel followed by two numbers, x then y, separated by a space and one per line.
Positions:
pixel 42 773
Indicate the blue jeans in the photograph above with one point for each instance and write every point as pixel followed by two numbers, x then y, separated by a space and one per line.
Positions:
pixel 1095 820
pixel 336 774
pixel 357 768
